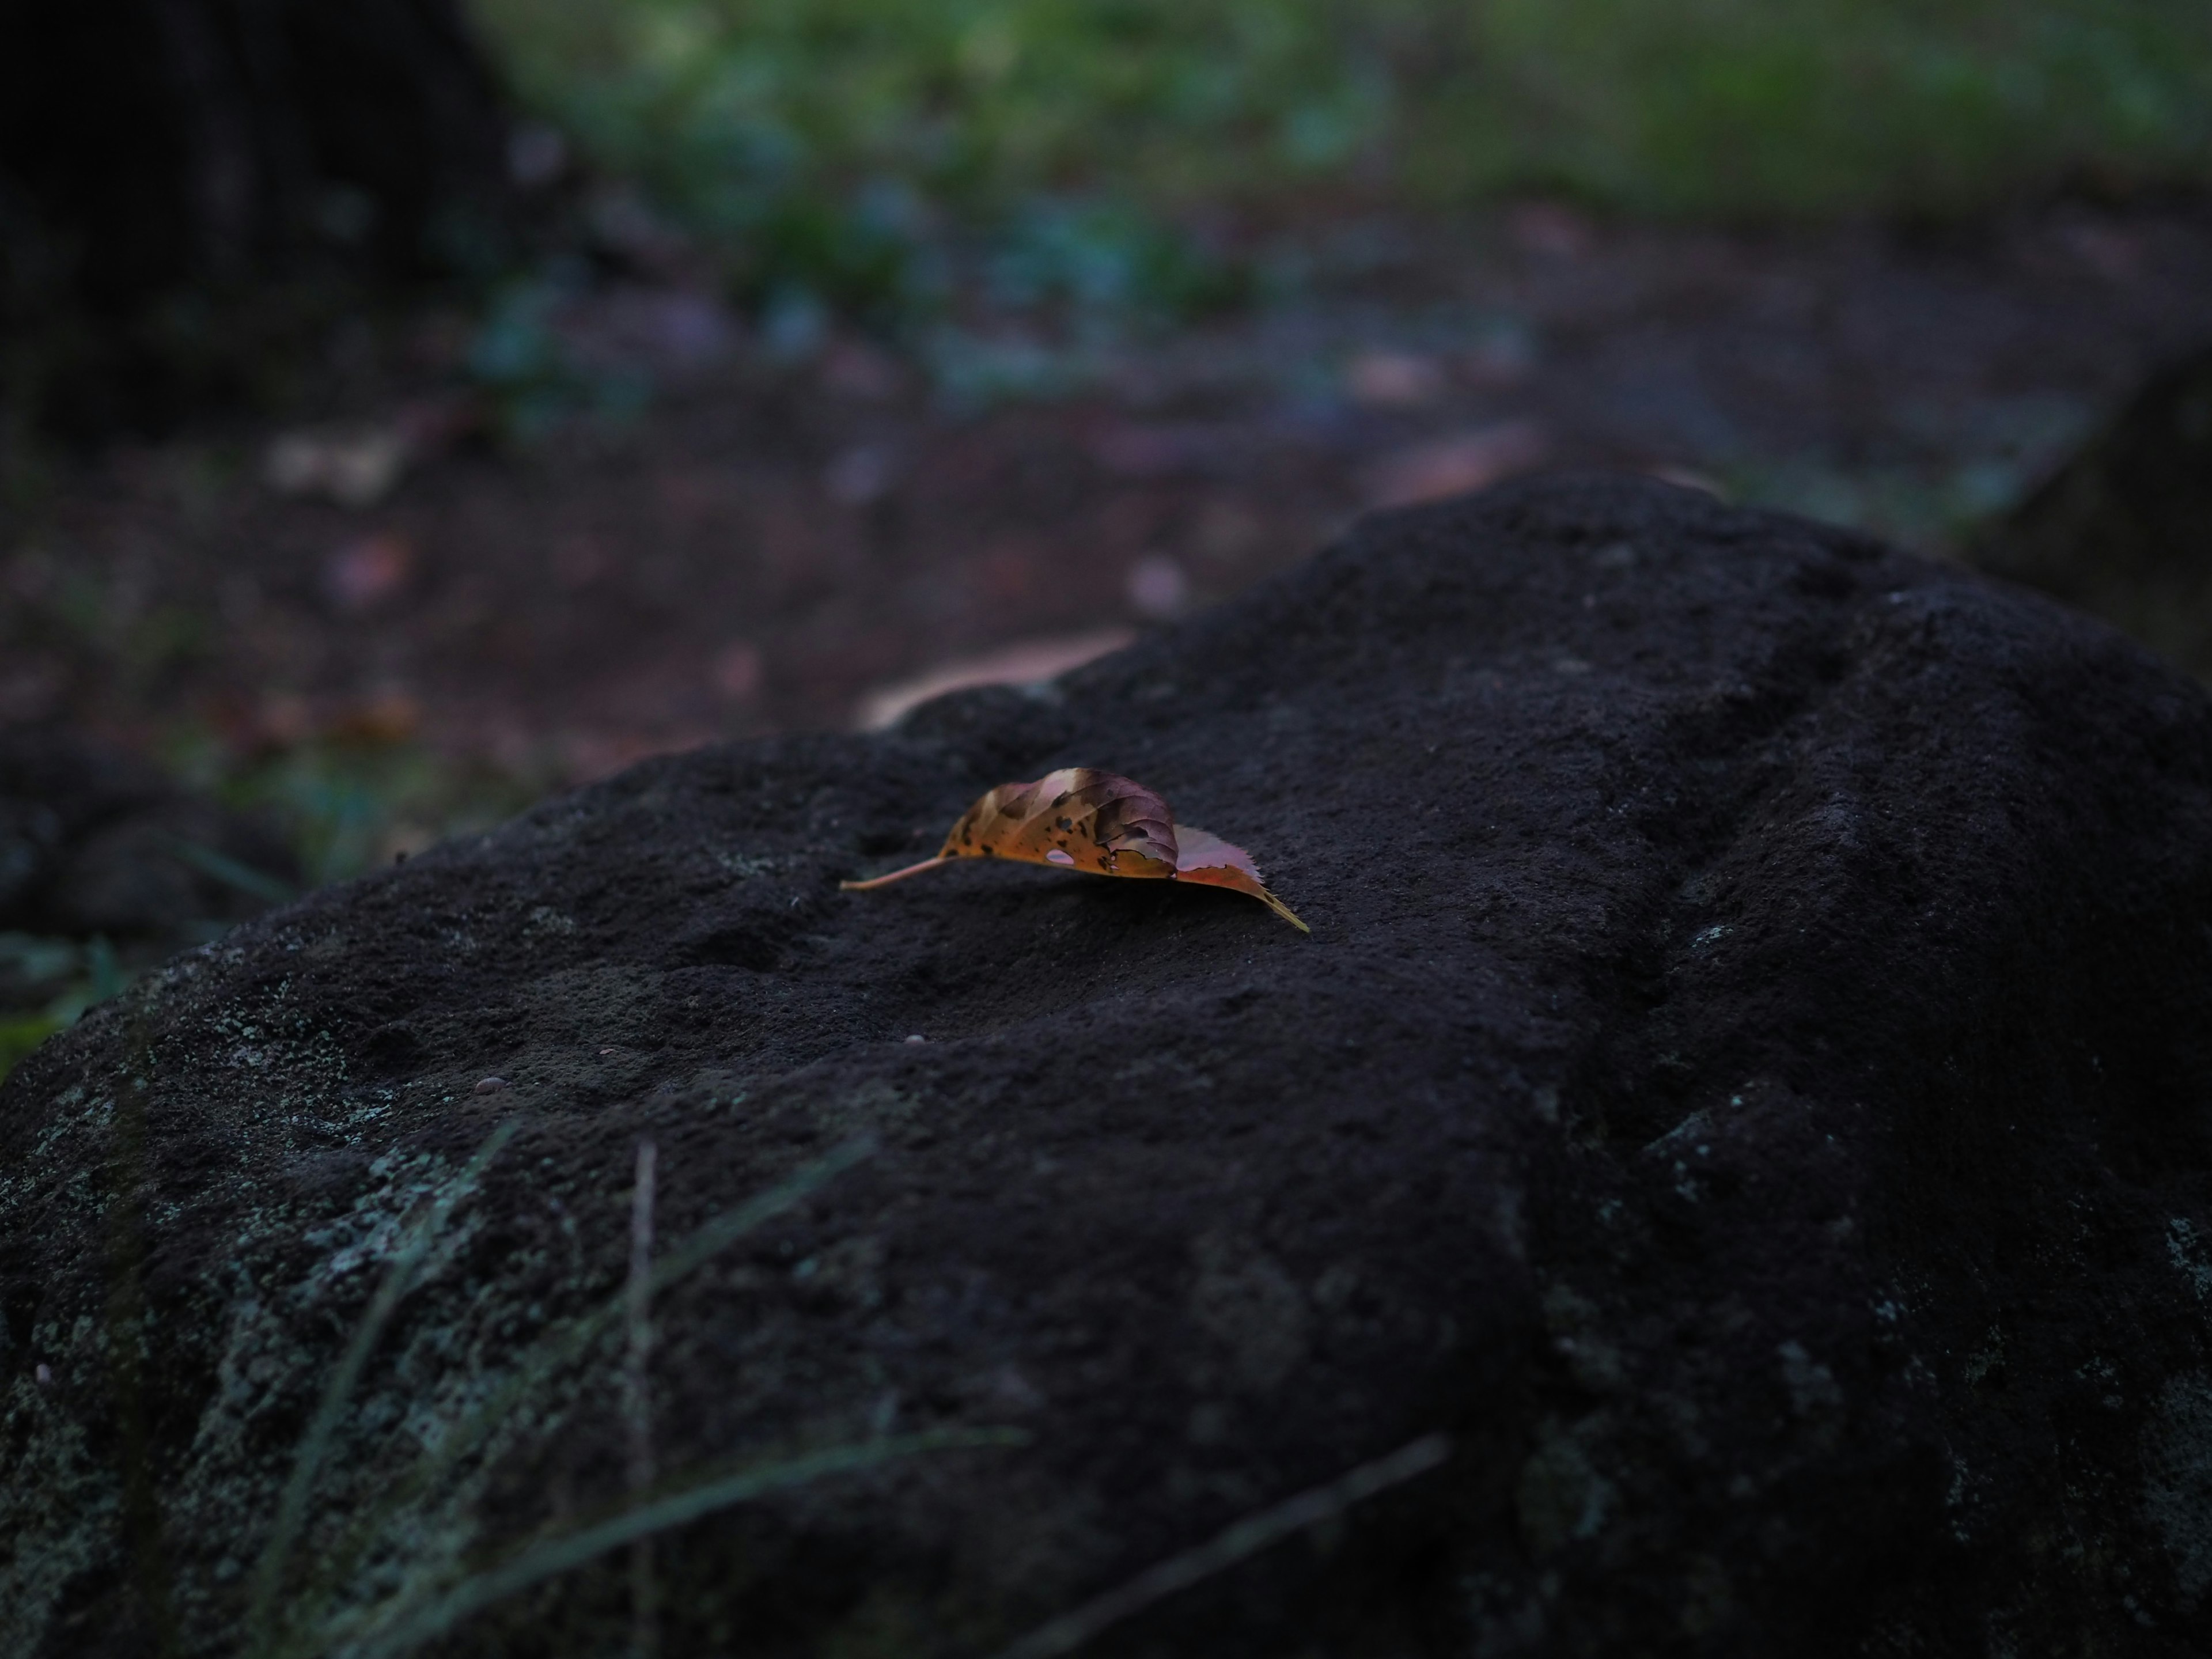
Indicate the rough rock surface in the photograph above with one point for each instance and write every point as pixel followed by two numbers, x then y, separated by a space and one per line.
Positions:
pixel 1748 1085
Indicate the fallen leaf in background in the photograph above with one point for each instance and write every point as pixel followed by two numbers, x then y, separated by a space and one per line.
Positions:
pixel 1393 379
pixel 1689 478
pixel 359 467
pixel 1157 587
pixel 1081 818
pixel 386 717
pixel 1457 465
pixel 1026 662
pixel 366 572
pixel 353 469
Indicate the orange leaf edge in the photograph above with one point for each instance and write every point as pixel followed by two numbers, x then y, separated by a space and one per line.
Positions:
pixel 1242 881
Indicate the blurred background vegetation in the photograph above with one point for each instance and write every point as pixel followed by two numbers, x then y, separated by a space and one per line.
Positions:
pixel 831 147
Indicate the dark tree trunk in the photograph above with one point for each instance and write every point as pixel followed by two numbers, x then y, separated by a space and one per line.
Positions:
pixel 174 141
pixel 150 147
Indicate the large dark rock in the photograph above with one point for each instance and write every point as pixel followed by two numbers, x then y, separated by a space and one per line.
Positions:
pixel 1747 1084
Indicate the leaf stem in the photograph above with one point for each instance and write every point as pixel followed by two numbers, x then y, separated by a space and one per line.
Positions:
pixel 896 875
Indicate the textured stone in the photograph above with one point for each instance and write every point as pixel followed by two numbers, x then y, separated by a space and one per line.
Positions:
pixel 1747 1085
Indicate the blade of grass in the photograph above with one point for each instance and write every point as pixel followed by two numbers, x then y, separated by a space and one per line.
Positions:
pixel 254 883
pixel 1249 1536
pixel 307 1463
pixel 714 1237
pixel 106 974
pixel 555 1556
pixel 557 1348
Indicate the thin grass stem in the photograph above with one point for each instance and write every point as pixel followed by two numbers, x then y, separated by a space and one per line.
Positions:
pixel 551 1352
pixel 637 1403
pixel 1247 1537
pixel 554 1556
pixel 398 1278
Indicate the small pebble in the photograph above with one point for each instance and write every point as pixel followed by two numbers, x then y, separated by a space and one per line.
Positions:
pixel 917 1039
pixel 45 1375
pixel 603 1052
pixel 491 1085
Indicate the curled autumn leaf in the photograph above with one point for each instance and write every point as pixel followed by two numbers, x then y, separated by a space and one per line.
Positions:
pixel 1080 818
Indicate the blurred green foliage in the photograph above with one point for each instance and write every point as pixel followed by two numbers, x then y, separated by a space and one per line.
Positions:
pixel 46 983
pixel 1798 106
pixel 531 381
pixel 349 806
pixel 824 133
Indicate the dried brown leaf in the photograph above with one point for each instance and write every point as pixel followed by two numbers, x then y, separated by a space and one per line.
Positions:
pixel 1081 818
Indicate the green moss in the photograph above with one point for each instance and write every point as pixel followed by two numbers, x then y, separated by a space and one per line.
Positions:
pixel 58 1494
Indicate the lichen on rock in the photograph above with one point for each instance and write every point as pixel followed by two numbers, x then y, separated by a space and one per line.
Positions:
pixel 1745 1093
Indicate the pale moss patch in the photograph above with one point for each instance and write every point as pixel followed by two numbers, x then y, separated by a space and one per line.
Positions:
pixel 59 1505
pixel 2178 1479
pixel 1561 1497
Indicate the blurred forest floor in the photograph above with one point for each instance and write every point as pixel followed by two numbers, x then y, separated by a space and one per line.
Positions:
pixel 409 615
pixel 888 342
